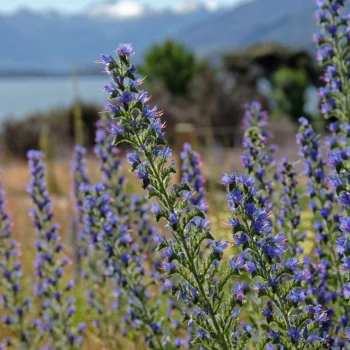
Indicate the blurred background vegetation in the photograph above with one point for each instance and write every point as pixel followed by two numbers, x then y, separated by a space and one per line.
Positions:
pixel 194 91
pixel 203 59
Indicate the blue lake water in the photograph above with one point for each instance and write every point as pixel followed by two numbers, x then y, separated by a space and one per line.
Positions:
pixel 21 96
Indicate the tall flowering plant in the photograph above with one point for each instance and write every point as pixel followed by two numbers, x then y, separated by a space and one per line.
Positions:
pixel 102 294
pixel 278 278
pixel 139 125
pixel 258 153
pixel 15 304
pixel 124 265
pixel 321 198
pixel 333 55
pixel 289 214
pixel 121 264
pixel 80 177
pixel 339 161
pixel 192 173
pixel 110 165
pixel 57 306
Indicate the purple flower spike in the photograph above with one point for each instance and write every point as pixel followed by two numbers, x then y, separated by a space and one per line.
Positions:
pixel 49 266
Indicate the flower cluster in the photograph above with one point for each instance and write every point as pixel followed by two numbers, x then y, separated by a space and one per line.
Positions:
pixel 121 263
pixel 14 304
pixel 80 176
pixel 192 173
pixel 110 163
pixel 326 281
pixel 119 237
pixel 339 161
pixel 258 155
pixel 277 277
pixel 57 307
pixel 321 198
pixel 333 53
pixel 102 294
pixel 289 210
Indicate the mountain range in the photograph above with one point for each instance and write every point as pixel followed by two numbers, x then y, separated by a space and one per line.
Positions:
pixel 53 42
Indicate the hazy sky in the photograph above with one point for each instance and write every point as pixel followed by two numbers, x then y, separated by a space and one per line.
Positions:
pixel 77 5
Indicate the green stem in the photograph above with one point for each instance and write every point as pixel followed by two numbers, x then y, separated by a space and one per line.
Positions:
pixel 166 201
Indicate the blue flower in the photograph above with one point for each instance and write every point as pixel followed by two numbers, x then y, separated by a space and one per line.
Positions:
pixel 236 196
pixel 240 240
pixel 168 285
pixel 345 224
pixel 271 249
pixel 250 208
pixel 49 266
pixel 250 267
pixel 335 157
pixel 169 267
pixel 141 172
pixel 234 222
pixel 155 209
pixel 133 158
pixel 268 314
pixel 125 50
pixel 291 263
pixel 296 295
pixel 115 129
pixel 237 263
pixel 346 290
pixel 238 291
pixel 168 252
pixel 246 180
pixel 294 334
pixel 127 97
pixel 107 59
pixel 109 107
pixel 219 247
pixel 192 174
pixel 229 179
pixel 324 52
pixel 202 334
pixel 173 219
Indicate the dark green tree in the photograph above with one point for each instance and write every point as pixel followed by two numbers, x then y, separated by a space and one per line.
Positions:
pixel 172 64
pixel 289 88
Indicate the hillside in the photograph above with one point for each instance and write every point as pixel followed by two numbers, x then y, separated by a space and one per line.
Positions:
pixel 54 42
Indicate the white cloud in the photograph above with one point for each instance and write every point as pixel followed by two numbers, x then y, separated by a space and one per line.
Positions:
pixel 212 5
pixel 119 9
pixel 186 7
